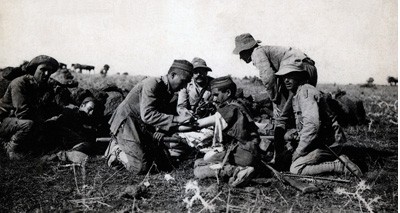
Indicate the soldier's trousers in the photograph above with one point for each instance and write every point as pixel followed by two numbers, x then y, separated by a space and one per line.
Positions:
pixel 16 130
pixel 238 157
pixel 140 148
pixel 312 163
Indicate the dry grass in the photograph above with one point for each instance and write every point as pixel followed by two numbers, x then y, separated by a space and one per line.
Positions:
pixel 32 186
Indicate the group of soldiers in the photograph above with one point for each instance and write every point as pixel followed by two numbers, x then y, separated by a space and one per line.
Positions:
pixel 186 100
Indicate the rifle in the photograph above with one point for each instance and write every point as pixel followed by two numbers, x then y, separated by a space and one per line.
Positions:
pixel 345 165
pixel 165 140
pixel 298 185
pixel 316 178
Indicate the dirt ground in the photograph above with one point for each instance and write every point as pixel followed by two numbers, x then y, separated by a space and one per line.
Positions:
pixel 32 186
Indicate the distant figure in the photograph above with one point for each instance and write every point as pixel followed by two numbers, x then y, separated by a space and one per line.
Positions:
pixel 103 72
pixel 20 105
pixel 369 84
pixel 392 81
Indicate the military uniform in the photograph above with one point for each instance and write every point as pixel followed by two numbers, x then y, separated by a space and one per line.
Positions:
pixel 189 96
pixel 268 60
pixel 146 108
pixel 20 104
pixel 239 133
pixel 315 128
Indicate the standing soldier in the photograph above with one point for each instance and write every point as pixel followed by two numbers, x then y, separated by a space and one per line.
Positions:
pixel 146 113
pixel 268 60
pixel 20 104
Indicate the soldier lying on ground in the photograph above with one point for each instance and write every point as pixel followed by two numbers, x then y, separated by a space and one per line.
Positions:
pixel 236 130
pixel 21 108
pixel 315 131
pixel 76 130
pixel 145 110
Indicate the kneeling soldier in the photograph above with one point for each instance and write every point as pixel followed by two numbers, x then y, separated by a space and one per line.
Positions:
pixel 315 131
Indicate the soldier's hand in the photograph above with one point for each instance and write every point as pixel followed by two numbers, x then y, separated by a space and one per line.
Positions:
pixel 295 156
pixel 158 136
pixel 53 119
pixel 180 119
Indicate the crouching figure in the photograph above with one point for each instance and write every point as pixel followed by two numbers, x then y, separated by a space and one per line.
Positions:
pixel 21 107
pixel 316 131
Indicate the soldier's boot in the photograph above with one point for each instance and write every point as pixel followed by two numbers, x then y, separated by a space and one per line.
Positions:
pixel 350 165
pixel 202 169
pixel 11 149
pixel 242 176
pixel 333 167
pixel 72 156
pixel 117 158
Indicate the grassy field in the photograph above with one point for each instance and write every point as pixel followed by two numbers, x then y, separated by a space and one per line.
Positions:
pixel 31 186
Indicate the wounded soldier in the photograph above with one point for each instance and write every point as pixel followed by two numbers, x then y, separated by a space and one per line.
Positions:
pixel 237 132
pixel 75 130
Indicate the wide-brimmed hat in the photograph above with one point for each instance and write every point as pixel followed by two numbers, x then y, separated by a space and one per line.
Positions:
pixel 288 68
pixel 183 65
pixel 41 59
pixel 244 42
pixel 200 63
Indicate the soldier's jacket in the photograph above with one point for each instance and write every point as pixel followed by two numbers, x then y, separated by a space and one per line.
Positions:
pixel 21 97
pixel 148 101
pixel 238 126
pixel 188 96
pixel 268 60
pixel 314 124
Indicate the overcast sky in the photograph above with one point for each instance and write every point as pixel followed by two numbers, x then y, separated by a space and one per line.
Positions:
pixel 350 40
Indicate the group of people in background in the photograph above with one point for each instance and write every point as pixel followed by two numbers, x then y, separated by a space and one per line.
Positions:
pixel 186 100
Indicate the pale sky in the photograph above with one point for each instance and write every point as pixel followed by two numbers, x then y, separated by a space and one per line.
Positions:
pixel 350 40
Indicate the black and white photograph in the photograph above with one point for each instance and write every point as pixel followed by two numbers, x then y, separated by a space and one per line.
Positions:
pixel 199 106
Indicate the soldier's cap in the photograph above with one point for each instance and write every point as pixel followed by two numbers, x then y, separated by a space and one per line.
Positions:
pixel 183 65
pixel 288 68
pixel 200 63
pixel 244 41
pixel 221 82
pixel 42 59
